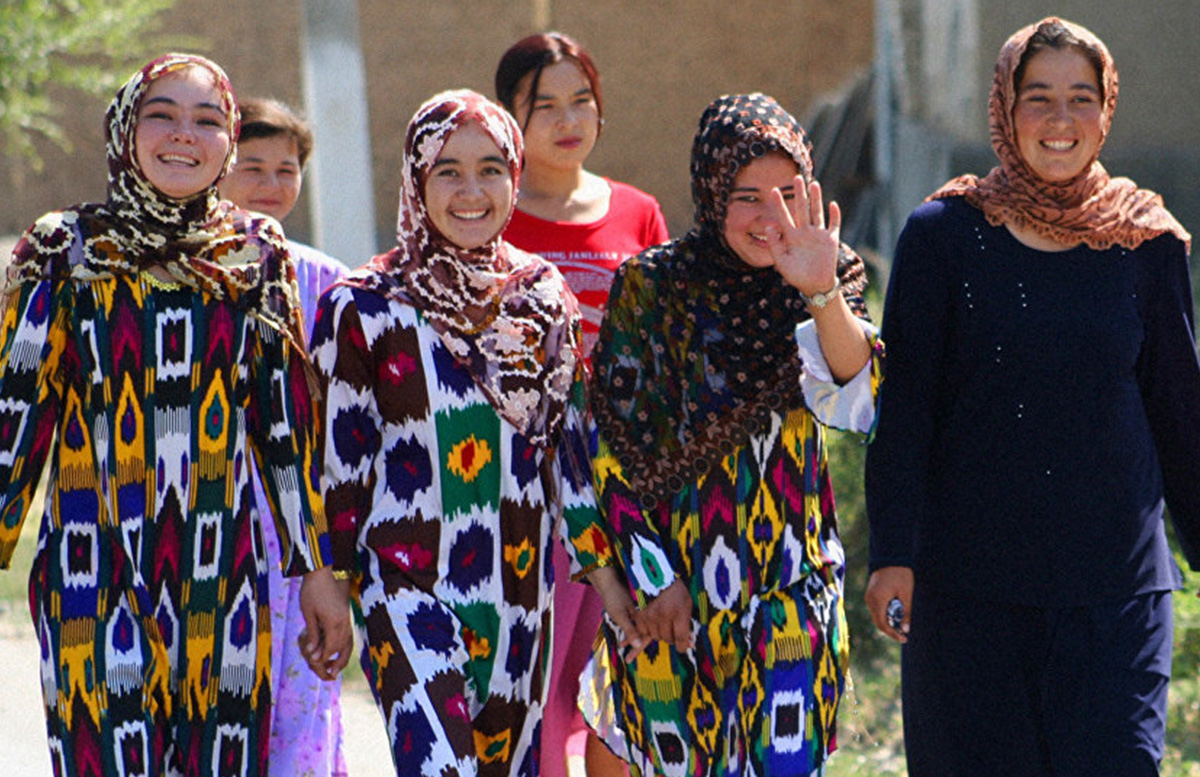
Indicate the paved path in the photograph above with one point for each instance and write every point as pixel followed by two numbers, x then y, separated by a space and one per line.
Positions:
pixel 23 751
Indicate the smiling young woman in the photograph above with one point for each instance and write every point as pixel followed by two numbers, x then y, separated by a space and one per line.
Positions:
pixel 153 360
pixel 587 225
pixel 454 408
pixel 1039 414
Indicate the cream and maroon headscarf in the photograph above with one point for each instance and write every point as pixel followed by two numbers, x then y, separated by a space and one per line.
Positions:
pixel 202 241
pixel 1091 208
pixel 505 314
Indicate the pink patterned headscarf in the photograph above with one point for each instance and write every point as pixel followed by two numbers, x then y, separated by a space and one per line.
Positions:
pixel 505 314
pixel 1091 208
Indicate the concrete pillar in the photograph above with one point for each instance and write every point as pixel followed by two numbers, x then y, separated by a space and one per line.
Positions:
pixel 341 193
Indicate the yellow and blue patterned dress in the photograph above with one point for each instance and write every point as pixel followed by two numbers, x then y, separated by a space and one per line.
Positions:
pixel 711 395
pixel 149 401
pixel 148 586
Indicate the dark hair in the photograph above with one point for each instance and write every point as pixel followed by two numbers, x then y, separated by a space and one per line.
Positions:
pixel 1056 35
pixel 266 118
pixel 535 53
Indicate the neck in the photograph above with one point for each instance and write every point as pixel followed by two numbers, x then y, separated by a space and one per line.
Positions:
pixel 552 184
pixel 574 195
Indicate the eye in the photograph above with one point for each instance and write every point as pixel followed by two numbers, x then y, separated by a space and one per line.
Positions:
pixel 493 170
pixel 445 172
pixel 750 199
pixel 157 114
pixel 210 123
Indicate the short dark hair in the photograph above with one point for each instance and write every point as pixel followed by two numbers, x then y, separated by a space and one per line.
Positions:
pixel 533 54
pixel 1056 35
pixel 266 118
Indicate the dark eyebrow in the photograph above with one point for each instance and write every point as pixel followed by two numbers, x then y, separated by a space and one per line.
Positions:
pixel 787 188
pixel 169 101
pixel 584 92
pixel 1042 85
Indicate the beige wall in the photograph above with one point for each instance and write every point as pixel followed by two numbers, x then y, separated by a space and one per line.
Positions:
pixel 661 62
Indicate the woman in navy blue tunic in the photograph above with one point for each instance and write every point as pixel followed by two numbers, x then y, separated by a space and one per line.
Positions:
pixel 1042 405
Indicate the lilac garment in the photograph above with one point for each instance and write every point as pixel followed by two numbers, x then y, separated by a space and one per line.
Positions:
pixel 306 716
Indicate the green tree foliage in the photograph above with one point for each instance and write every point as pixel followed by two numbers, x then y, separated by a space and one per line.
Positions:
pixel 85 45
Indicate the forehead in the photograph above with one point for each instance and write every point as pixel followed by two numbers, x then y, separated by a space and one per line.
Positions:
pixel 469 142
pixel 1059 66
pixel 565 75
pixel 188 86
pixel 768 171
pixel 276 148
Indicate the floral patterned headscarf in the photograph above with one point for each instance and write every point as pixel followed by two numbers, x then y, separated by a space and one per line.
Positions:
pixel 505 314
pixel 697 348
pixel 199 240
pixel 1092 207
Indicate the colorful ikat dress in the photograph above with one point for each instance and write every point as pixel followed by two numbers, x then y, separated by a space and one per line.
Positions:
pixel 148 588
pixel 447 513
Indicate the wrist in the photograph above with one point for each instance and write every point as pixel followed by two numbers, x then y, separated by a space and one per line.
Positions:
pixel 821 299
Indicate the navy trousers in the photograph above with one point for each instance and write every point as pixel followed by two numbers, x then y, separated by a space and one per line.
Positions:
pixel 1002 689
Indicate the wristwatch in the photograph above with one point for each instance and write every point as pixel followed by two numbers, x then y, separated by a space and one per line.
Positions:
pixel 822 298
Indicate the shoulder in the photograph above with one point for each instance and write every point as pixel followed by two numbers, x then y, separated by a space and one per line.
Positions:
pixel 631 196
pixel 305 254
pixel 633 202
pixel 652 265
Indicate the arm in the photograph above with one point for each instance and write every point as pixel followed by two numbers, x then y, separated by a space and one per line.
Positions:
pixel 32 343
pixel 642 551
pixel 917 317
pixel 284 427
pixel 807 258
pixel 1169 377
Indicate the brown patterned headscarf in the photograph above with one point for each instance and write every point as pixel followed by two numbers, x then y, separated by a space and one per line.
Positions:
pixel 201 241
pixel 505 314
pixel 697 349
pixel 1091 208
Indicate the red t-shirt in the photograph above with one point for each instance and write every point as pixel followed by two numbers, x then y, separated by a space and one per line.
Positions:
pixel 588 254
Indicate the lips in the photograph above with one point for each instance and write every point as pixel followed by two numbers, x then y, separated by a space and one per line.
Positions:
pixel 1059 145
pixel 569 143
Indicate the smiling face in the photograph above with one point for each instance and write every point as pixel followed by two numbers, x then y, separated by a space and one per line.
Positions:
pixel 267 176
pixel 750 224
pixel 562 121
pixel 1058 116
pixel 182 136
pixel 469 189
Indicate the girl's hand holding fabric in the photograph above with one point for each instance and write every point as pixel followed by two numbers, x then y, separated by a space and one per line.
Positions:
pixel 807 255
pixel 328 637
pixel 669 617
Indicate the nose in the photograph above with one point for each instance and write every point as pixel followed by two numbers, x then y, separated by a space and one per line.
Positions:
pixel 183 133
pixel 1061 112
pixel 471 184
pixel 568 115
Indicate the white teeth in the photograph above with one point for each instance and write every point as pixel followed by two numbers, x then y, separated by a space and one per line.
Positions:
pixel 179 158
pixel 469 215
pixel 1059 145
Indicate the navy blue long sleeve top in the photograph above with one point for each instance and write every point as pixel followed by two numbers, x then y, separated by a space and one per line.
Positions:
pixel 1037 411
